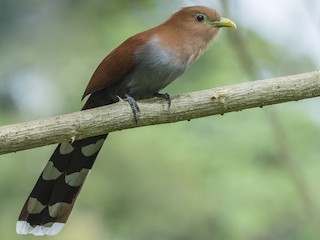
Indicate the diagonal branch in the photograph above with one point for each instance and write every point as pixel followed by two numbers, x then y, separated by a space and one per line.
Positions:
pixel 119 116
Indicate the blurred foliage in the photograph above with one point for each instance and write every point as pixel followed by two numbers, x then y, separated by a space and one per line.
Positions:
pixel 213 178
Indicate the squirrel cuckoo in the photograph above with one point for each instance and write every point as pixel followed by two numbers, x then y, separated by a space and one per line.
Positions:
pixel 137 69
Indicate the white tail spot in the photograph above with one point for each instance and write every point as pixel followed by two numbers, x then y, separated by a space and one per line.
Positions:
pixel 58 209
pixel 34 206
pixel 50 172
pixel 91 149
pixel 66 148
pixel 76 179
pixel 23 227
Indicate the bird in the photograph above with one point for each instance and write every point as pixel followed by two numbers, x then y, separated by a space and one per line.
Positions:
pixel 139 68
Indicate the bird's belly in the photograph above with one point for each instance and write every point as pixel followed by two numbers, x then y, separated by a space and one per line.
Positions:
pixel 157 67
pixel 145 83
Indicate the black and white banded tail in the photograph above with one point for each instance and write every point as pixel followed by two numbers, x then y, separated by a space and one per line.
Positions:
pixel 52 198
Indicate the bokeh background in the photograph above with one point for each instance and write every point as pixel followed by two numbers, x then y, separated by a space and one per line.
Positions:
pixel 250 175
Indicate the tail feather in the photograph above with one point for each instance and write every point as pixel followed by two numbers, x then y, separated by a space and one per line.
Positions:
pixel 52 199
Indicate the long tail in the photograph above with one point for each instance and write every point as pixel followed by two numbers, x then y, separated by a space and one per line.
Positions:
pixel 52 198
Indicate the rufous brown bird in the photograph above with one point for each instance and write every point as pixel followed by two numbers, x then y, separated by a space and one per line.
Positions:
pixel 139 68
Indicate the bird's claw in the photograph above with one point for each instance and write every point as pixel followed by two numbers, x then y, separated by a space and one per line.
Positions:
pixel 134 106
pixel 164 96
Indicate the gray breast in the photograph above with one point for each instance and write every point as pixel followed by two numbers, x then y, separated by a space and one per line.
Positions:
pixel 157 67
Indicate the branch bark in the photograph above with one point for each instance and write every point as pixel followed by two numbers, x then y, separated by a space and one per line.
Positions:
pixel 119 116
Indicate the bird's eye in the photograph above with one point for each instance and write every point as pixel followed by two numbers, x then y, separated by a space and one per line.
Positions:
pixel 200 18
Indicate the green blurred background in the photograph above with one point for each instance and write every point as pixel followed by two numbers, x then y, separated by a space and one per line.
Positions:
pixel 250 175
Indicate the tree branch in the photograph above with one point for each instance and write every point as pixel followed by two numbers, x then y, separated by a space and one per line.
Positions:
pixel 119 116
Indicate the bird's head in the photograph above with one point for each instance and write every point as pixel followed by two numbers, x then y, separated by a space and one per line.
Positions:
pixel 200 20
pixel 188 32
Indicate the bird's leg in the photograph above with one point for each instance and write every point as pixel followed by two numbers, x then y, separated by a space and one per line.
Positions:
pixel 164 96
pixel 134 106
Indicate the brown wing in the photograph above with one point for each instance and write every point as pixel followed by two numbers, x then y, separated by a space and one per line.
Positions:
pixel 115 66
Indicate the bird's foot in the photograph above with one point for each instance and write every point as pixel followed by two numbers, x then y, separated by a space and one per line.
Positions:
pixel 134 106
pixel 164 96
